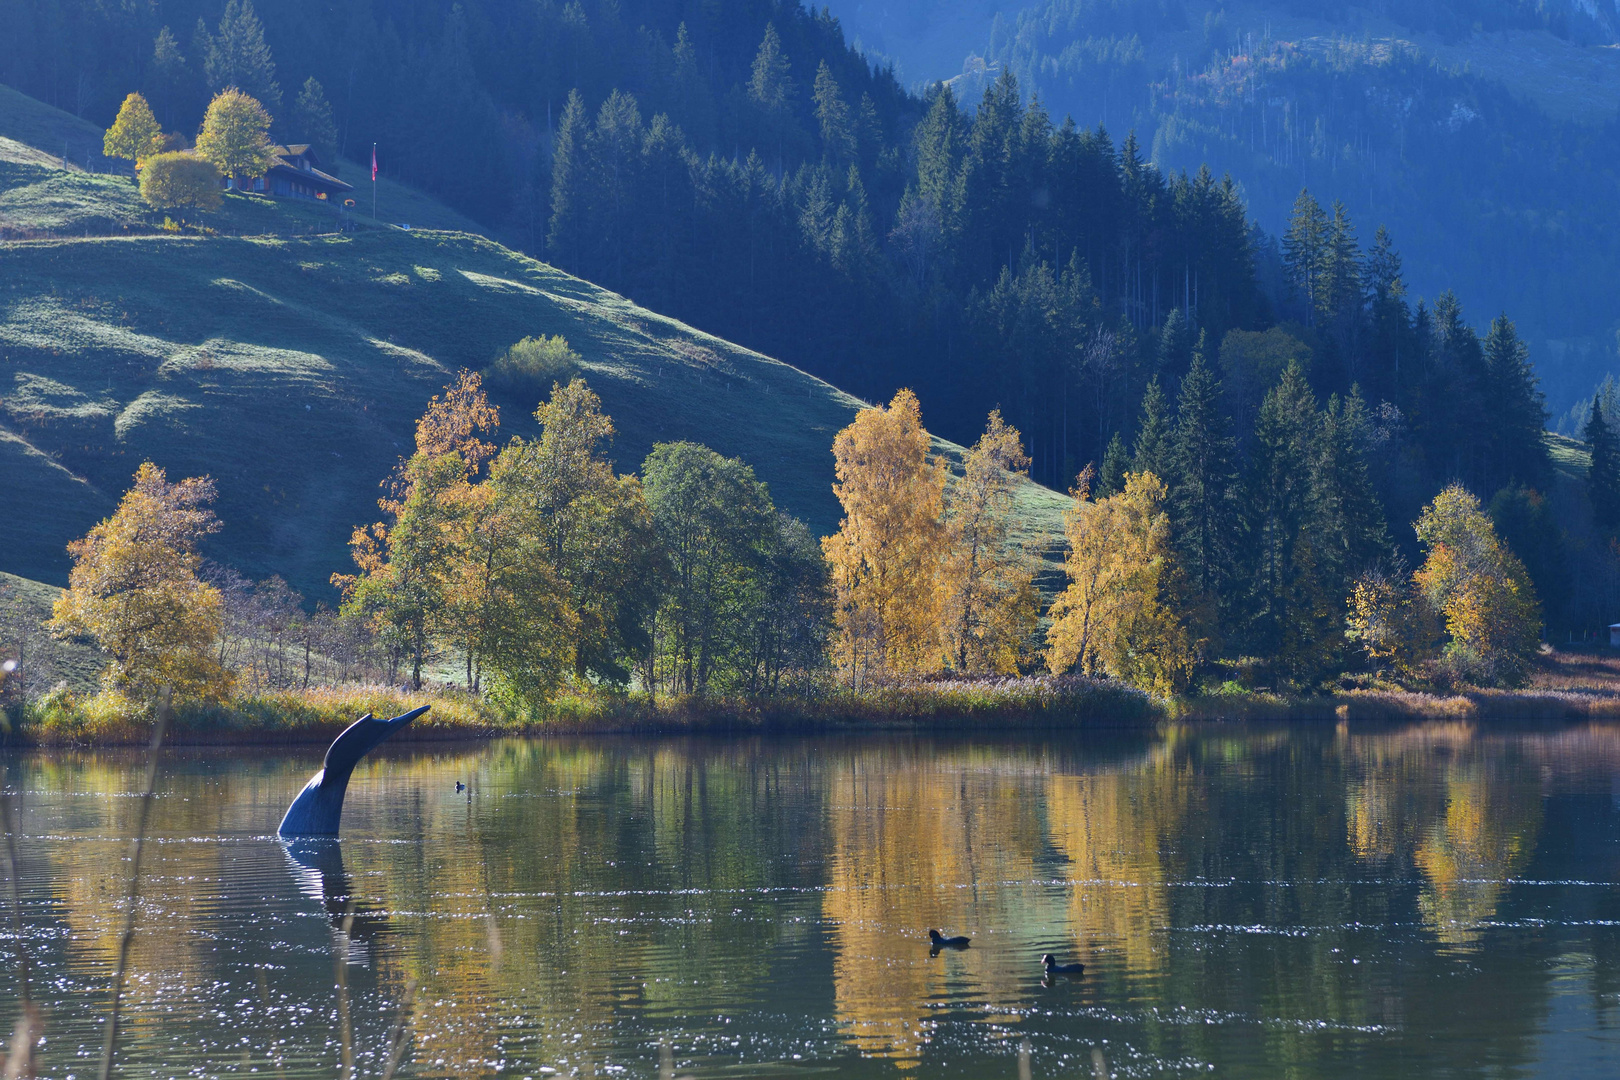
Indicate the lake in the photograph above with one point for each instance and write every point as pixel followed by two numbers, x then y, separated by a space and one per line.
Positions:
pixel 1248 902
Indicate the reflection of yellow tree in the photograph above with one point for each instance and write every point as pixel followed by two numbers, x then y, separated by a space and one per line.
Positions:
pixel 911 844
pixel 1113 827
pixel 1486 836
pixel 1464 820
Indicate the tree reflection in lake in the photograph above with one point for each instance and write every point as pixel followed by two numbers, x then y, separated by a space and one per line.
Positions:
pixel 1383 903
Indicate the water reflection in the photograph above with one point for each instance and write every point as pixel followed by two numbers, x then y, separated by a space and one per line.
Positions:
pixel 1387 903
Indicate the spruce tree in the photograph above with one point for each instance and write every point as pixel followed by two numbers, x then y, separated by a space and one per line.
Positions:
pixel 832 114
pixel 1603 478
pixel 1339 294
pixel 1152 450
pixel 1349 516
pixel 566 236
pixel 1516 419
pixel 1201 508
pixel 1176 341
pixel 1290 614
pixel 238 56
pixel 1304 248
pixel 1116 463
pixel 313 123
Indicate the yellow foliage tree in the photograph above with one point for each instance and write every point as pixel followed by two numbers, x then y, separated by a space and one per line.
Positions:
pixel 135 134
pixel 236 136
pixel 179 181
pixel 1115 616
pixel 407 562
pixel 1392 622
pixel 885 557
pixel 1481 589
pixel 134 590
pixel 987 598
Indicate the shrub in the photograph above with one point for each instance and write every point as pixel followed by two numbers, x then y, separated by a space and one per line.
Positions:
pixel 533 364
pixel 179 181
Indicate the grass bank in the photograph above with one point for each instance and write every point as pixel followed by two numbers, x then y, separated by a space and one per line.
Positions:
pixel 318 715
pixel 1565 686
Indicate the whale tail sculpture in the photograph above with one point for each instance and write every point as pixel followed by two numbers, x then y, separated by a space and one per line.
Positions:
pixel 319 806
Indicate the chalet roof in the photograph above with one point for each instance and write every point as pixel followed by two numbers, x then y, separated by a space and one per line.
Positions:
pixel 284 156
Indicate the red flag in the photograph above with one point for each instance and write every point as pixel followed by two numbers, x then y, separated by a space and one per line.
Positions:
pixel 373 163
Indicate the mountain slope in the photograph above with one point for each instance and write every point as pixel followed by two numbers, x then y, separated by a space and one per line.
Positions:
pixel 291 369
pixel 1483 133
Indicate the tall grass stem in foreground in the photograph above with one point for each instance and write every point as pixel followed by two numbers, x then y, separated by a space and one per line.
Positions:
pixel 400 1035
pixel 340 973
pixel 19 1063
pixel 159 726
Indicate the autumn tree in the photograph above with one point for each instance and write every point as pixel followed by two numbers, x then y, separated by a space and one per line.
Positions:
pixel 235 136
pixel 1391 621
pixel 987 600
pixel 885 555
pixel 135 134
pixel 134 590
pixel 1479 587
pixel 1117 616
pixel 179 181
pixel 406 561
pixel 590 526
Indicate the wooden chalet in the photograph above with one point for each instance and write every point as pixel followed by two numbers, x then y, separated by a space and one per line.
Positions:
pixel 297 174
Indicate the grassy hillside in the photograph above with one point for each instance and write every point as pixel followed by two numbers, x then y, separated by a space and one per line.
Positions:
pixel 291 368
pixel 54 182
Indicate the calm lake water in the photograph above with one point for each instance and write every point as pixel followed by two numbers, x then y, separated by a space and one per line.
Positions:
pixel 1249 902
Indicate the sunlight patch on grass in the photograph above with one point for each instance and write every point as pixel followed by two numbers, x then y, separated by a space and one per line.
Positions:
pixel 152 407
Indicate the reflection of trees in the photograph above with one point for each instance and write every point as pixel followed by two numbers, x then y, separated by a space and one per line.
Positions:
pixel 620 891
pixel 921 842
pixel 1432 797
pixel 1485 837
pixel 1114 828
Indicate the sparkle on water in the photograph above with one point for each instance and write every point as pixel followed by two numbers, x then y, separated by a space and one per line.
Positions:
pixel 1248 902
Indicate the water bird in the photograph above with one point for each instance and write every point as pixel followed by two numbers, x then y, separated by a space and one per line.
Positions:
pixel 1049 962
pixel 940 941
pixel 460 787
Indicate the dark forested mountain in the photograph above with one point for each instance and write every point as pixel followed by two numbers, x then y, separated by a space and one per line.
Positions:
pixel 1482 133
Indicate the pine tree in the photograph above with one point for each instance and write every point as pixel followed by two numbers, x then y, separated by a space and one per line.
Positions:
pixel 1603 477
pixel 1176 342
pixel 1290 612
pixel 1304 247
pixel 238 56
pixel 168 72
pixel 1349 517
pixel 1339 293
pixel 1517 417
pixel 1152 452
pixel 1116 463
pixel 832 114
pixel 1202 510
pixel 565 241
pixel 312 121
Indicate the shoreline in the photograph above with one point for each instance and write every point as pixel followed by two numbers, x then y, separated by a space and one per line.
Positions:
pixel 263 724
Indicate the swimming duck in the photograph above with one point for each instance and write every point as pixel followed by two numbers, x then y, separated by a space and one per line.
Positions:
pixel 940 941
pixel 1049 962
pixel 460 787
